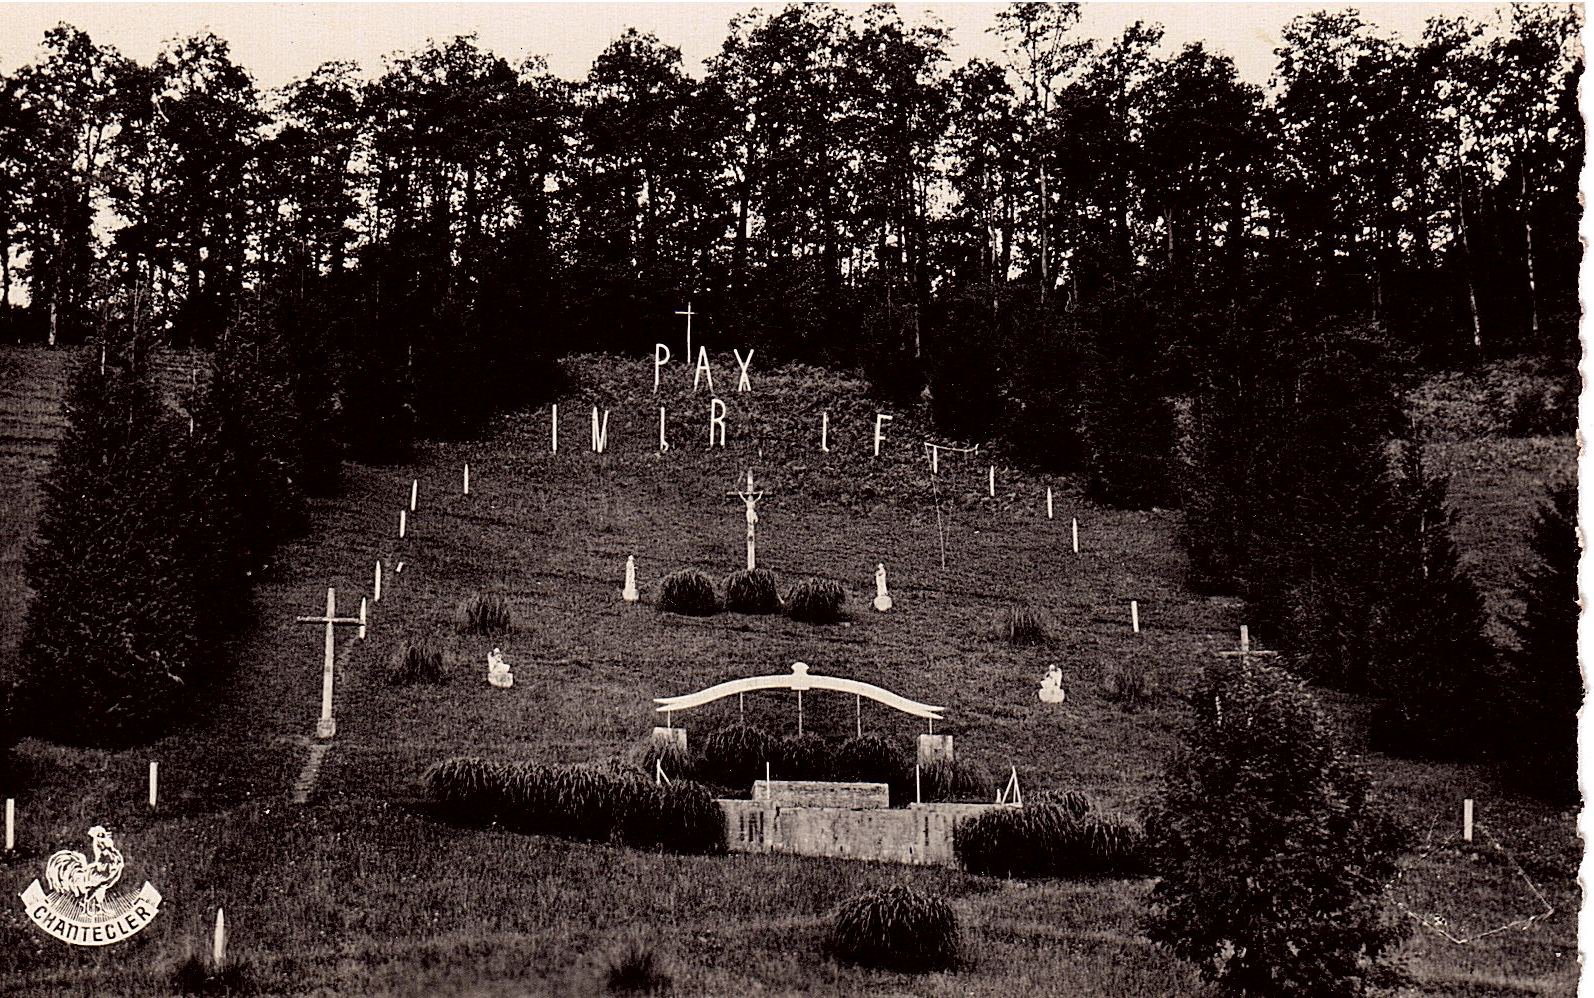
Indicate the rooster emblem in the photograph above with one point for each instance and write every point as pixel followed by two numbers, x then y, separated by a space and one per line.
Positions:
pixel 71 873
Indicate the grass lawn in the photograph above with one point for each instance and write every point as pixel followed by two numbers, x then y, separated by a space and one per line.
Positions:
pixel 362 892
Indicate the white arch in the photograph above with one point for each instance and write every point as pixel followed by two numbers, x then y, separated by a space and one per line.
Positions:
pixel 798 680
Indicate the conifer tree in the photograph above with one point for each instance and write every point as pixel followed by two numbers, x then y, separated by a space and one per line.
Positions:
pixel 1549 684
pixel 1272 853
pixel 109 644
pixel 1429 656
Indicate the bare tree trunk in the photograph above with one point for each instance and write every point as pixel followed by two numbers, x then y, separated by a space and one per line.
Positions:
pixel 1466 255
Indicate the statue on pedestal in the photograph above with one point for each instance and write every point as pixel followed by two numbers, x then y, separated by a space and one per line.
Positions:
pixel 498 670
pixel 1051 690
pixel 882 599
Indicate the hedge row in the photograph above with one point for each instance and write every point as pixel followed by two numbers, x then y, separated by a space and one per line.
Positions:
pixel 590 803
pixel 691 592
pixel 1056 837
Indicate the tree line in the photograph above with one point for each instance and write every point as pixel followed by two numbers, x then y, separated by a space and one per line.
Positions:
pixel 1115 260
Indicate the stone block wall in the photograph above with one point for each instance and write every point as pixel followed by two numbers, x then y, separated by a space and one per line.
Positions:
pixel 920 834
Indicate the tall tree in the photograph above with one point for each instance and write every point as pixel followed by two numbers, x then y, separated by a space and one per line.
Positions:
pixel 1272 853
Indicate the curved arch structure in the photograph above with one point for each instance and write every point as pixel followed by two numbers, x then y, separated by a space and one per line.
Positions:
pixel 798 680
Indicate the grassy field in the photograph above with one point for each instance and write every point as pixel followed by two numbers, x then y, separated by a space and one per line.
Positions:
pixel 361 892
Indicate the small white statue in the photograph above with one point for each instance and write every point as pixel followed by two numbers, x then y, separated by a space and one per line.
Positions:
pixel 498 670
pixel 1051 690
pixel 882 599
pixel 630 594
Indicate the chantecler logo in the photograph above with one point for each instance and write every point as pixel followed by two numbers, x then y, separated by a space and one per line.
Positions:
pixel 79 908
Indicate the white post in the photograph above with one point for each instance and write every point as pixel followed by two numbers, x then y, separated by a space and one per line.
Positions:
pixel 467 478
pixel 664 445
pixel 1048 502
pixel 553 429
pixel 1134 615
pixel 376 587
pixel 415 492
pixel 11 824
pixel 992 488
pixel 935 460
pixel 324 727
pixel 403 522
pixel 362 618
pixel 918 797
pixel 1076 535
pixel 218 942
pixel 824 432
pixel 1466 819
pixel 154 769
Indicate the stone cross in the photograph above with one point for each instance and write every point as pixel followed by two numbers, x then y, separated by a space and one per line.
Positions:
pixel 750 499
pixel 1245 651
pixel 325 727
pixel 688 313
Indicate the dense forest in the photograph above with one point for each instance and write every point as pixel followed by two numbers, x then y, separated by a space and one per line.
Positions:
pixel 1116 260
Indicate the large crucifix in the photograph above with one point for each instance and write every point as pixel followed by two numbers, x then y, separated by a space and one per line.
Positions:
pixel 750 498
pixel 325 727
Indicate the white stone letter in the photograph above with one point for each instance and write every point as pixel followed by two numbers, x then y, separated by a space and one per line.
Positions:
pixel 600 431
pixel 664 445
pixel 880 420
pixel 743 385
pixel 716 417
pixel 661 356
pixel 702 369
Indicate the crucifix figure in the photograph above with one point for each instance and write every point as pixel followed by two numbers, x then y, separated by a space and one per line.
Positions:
pixel 325 727
pixel 688 313
pixel 750 498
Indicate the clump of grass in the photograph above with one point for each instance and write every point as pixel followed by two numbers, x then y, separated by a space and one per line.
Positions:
pixel 873 759
pixel 1049 838
pixel 816 601
pixel 752 591
pixel 898 928
pixel 804 757
pixel 689 592
pixel 636 969
pixel 733 757
pixel 1127 684
pixel 1021 624
pixel 955 780
pixel 422 660
pixel 195 975
pixel 590 803
pixel 486 613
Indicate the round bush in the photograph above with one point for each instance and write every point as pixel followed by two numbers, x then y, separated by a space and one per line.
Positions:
pixel 733 757
pixel 419 661
pixel 689 592
pixel 898 928
pixel 752 591
pixel 817 601
pixel 1128 684
pixel 486 613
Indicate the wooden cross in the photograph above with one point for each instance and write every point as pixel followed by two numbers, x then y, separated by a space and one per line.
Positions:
pixel 688 313
pixel 326 727
pixel 750 498
pixel 1245 651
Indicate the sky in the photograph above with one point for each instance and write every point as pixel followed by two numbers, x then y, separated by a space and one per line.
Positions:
pixel 280 42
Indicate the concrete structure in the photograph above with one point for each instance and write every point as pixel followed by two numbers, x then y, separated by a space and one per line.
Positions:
pixel 934 749
pixel 804 793
pixel 920 834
